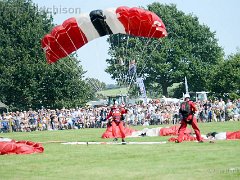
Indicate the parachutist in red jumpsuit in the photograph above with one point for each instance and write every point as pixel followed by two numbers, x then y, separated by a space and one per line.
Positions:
pixel 188 118
pixel 116 115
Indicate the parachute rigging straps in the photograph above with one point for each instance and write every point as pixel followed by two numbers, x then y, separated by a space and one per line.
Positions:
pixel 142 51
pixel 144 63
pixel 66 54
pixel 126 79
pixel 93 85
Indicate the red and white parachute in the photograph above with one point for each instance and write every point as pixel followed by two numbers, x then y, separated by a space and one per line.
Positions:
pixel 76 32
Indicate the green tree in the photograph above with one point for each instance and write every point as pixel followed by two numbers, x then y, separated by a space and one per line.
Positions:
pixel 190 50
pixel 26 79
pixel 226 76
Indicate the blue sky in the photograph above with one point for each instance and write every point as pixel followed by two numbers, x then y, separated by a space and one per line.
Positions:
pixel 221 16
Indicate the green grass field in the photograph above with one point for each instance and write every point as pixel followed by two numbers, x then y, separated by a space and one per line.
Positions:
pixel 188 160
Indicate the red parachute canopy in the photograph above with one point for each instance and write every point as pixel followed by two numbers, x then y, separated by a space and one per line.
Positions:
pixel 108 133
pixel 173 130
pixel 20 147
pixel 233 135
pixel 186 137
pixel 76 32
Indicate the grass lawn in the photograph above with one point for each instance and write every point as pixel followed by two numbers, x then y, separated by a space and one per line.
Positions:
pixel 188 160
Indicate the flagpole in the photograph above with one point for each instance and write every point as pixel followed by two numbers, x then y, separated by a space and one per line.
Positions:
pixel 186 85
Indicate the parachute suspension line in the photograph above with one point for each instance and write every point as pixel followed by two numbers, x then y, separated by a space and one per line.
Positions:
pixel 126 61
pixel 67 64
pixel 129 32
pixel 135 74
pixel 142 51
pixel 115 56
pixel 55 66
pixel 120 58
pixel 146 45
pixel 125 79
pixel 64 63
pixel 134 49
pixel 149 39
pixel 67 55
pixel 93 85
pixel 144 65
pixel 126 55
pixel 116 59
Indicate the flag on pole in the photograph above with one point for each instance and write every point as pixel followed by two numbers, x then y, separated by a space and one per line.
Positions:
pixel 186 86
pixel 142 89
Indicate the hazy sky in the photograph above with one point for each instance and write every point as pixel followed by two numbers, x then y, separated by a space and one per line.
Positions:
pixel 222 16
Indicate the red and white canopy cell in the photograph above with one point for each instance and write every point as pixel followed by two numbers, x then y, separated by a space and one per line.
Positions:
pixel 75 32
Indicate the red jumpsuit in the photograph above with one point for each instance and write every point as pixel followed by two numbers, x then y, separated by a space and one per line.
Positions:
pixel 116 115
pixel 192 120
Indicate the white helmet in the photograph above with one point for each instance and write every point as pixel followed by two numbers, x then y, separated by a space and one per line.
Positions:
pixel 186 96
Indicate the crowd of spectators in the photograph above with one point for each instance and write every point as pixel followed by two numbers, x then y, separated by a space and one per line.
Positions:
pixel 154 113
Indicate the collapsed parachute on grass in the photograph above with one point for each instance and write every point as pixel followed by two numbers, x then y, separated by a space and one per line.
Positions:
pixel 8 146
pixel 76 32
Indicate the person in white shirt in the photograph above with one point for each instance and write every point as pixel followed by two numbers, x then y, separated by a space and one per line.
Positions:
pixel 217 136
